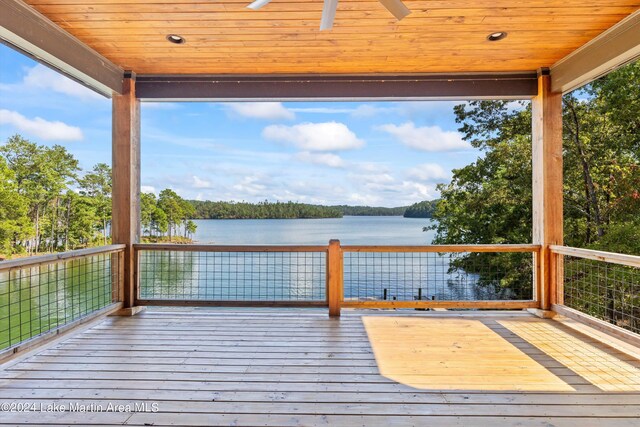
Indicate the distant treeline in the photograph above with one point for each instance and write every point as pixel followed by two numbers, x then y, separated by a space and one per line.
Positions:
pixel 421 209
pixel 370 210
pixel 262 210
pixel 289 210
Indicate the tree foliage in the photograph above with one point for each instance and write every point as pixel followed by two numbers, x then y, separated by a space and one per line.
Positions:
pixel 97 185
pixel 262 210
pixel 490 200
pixel 423 209
pixel 370 210
pixel 14 222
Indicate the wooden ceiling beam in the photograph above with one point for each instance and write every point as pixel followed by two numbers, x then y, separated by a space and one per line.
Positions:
pixel 28 31
pixel 617 46
pixel 337 87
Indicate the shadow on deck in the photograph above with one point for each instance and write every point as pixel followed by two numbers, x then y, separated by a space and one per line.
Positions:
pixel 297 367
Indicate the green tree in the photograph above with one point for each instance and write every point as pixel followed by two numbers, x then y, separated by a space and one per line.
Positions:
pixel 160 222
pixel 173 207
pixel 41 174
pixel 97 185
pixel 148 206
pixel 187 212
pixel 489 201
pixel 14 223
pixel 80 216
pixel 423 209
pixel 190 229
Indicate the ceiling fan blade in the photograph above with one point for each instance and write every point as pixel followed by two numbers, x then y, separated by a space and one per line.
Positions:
pixel 258 4
pixel 328 14
pixel 396 7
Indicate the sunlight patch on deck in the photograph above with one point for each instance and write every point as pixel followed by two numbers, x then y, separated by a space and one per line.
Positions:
pixel 590 361
pixel 453 354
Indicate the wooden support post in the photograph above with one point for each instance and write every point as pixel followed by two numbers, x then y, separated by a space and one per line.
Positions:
pixel 334 278
pixel 547 183
pixel 125 225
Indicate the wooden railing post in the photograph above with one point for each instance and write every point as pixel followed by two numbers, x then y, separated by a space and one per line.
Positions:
pixel 557 278
pixel 125 225
pixel 334 278
pixel 547 181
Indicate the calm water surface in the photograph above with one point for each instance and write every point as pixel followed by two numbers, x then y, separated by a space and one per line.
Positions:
pixel 38 299
pixel 351 230
pixel 300 276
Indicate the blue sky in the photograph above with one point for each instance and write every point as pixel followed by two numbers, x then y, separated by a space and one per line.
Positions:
pixel 380 153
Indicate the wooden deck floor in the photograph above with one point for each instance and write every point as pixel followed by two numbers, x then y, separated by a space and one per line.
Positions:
pixel 295 367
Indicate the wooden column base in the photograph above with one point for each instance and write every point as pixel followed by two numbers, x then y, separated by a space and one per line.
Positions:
pixel 129 311
pixel 543 314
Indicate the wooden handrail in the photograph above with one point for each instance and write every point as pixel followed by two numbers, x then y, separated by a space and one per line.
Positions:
pixel 57 257
pixel 443 248
pixel 345 248
pixel 228 248
pixel 612 257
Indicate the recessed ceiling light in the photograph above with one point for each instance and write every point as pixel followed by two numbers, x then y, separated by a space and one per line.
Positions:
pixel 498 35
pixel 174 38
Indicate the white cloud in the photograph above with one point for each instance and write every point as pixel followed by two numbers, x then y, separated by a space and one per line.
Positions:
pixel 428 172
pixel 251 186
pixel 371 167
pixel 200 183
pixel 262 110
pixel 325 159
pixel 329 136
pixel 361 111
pixel 148 189
pixel 368 178
pixel 426 138
pixel 364 199
pixel 415 191
pixel 50 131
pixel 405 192
pixel 42 77
pixel 368 110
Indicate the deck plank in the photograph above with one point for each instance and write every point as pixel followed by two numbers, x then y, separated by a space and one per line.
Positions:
pixel 294 367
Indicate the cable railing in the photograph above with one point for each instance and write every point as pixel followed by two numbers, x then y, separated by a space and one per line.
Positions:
pixel 41 295
pixel 469 276
pixel 601 285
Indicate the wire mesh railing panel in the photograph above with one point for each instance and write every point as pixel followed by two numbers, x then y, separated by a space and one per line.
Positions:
pixel 232 276
pixel 607 291
pixel 413 276
pixel 36 299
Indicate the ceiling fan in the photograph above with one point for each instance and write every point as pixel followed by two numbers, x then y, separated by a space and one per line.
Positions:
pixel 396 7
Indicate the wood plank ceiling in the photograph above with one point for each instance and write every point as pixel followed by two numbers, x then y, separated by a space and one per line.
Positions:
pixel 223 37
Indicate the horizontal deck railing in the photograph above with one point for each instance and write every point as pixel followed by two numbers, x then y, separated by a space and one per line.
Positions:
pixel 440 276
pixel 337 276
pixel 41 295
pixel 597 285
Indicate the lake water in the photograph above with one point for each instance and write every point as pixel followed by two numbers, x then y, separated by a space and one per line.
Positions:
pixel 35 300
pixel 350 230
pixel 301 276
